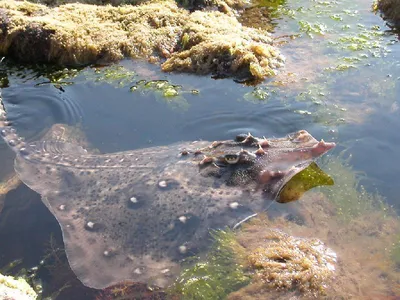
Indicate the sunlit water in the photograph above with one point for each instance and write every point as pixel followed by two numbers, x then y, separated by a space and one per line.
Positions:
pixel 355 103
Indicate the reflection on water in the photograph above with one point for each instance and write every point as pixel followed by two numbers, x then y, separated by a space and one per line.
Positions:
pixel 341 83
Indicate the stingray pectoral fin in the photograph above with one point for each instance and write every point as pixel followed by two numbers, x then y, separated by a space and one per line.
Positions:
pixel 118 224
pixel 100 248
pixel 302 181
pixel 42 179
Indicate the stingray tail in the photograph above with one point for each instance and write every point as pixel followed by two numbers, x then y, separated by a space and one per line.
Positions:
pixel 8 133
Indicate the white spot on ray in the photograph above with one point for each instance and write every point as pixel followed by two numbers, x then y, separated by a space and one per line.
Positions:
pixel 234 205
pixel 90 225
pixel 182 249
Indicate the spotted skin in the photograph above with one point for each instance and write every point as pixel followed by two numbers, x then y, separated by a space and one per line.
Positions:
pixel 134 215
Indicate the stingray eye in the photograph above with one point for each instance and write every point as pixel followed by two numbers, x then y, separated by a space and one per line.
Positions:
pixel 231 158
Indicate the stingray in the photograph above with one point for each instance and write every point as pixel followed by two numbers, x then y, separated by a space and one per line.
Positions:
pixel 135 215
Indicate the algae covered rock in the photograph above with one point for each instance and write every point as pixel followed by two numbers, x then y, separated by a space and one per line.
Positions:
pixel 15 288
pixel 79 34
pixel 201 42
pixel 218 43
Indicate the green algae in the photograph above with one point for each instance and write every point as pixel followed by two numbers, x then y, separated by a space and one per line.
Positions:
pixel 318 18
pixel 309 178
pixel 134 78
pixel 318 102
pixel 312 28
pixel 164 91
pixel 341 67
pixel 395 254
pixel 115 74
pixel 273 5
pixel 340 46
pixel 258 94
pixel 348 196
pixel 17 282
pixel 366 39
pixel 218 275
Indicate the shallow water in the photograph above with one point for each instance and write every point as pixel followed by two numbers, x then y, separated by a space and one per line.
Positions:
pixel 356 105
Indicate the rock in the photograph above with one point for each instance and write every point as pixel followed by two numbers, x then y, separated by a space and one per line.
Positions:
pixel 15 289
pixel 391 10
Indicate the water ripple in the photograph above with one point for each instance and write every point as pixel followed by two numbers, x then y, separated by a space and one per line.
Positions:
pixel 269 120
pixel 33 109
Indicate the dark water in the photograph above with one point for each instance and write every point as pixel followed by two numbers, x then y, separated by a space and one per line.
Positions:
pixel 359 110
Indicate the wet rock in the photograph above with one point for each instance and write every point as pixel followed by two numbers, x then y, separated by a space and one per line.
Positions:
pixel 391 10
pixel 4 21
pixel 32 43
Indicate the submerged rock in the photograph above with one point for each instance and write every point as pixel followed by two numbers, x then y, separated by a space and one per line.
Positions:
pixel 201 42
pixel 15 288
pixel 391 10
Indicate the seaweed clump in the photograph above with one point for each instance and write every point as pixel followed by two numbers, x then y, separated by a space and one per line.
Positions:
pixel 287 262
pixel 201 42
